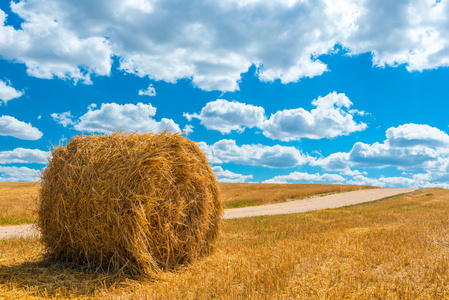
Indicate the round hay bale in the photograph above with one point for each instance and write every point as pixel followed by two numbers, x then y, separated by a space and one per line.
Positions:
pixel 140 203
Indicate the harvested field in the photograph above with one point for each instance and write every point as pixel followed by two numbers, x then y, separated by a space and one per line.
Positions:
pixel 18 202
pixel 397 248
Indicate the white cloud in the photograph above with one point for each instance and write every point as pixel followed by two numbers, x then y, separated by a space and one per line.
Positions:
pixel 338 161
pixel 225 116
pixel 49 48
pixel 407 147
pixel 7 92
pixel 409 32
pixel 228 176
pixel 208 152
pixel 382 181
pixel 300 177
pixel 214 42
pixel 329 119
pixel 188 129
pixel 383 155
pixel 420 180
pixel 10 126
pixel 432 179
pixel 416 181
pixel 150 91
pixel 15 174
pixel 409 135
pixel 304 67
pixel 349 172
pixel 112 117
pixel 277 156
pixel 64 118
pixel 24 156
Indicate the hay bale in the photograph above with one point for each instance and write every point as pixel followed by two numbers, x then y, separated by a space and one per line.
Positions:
pixel 140 203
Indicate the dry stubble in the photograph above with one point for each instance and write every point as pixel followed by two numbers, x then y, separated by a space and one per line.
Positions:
pixel 396 248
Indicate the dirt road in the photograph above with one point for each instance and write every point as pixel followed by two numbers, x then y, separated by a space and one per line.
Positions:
pixel 297 206
pixel 330 201
pixel 17 231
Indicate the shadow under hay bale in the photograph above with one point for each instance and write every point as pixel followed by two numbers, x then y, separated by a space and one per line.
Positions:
pixel 138 203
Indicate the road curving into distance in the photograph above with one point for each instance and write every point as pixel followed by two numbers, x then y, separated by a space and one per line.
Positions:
pixel 314 203
pixel 291 207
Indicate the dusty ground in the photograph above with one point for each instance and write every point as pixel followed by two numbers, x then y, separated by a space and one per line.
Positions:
pixel 330 201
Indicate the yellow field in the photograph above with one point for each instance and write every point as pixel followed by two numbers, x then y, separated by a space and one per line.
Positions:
pixel 18 200
pixel 396 248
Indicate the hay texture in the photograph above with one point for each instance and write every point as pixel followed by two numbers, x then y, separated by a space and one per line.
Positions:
pixel 138 203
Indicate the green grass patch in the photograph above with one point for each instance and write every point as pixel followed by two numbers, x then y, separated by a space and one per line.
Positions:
pixel 11 220
pixel 237 204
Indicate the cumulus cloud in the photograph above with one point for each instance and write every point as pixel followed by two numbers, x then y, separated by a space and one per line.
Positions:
pixel 213 43
pixel 150 91
pixel 10 126
pixel 349 172
pixel 7 92
pixel 394 182
pixel 64 118
pixel 383 155
pixel 18 174
pixel 420 180
pixel 112 116
pixel 301 177
pixel 332 117
pixel 49 48
pixel 277 156
pixel 407 147
pixel 414 33
pixel 188 129
pixel 409 135
pixel 329 119
pixel 225 116
pixel 338 161
pixel 24 156
pixel 228 176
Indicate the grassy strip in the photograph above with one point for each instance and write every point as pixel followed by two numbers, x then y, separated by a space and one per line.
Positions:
pixel 237 204
pixel 396 248
pixel 13 220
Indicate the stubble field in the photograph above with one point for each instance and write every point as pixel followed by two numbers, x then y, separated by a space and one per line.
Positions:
pixel 396 248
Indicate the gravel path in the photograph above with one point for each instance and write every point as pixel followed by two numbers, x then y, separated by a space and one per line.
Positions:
pixel 297 206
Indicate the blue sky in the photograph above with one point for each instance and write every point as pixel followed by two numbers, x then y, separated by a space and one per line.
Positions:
pixel 285 91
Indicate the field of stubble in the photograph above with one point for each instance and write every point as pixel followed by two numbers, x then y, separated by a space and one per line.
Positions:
pixel 396 248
